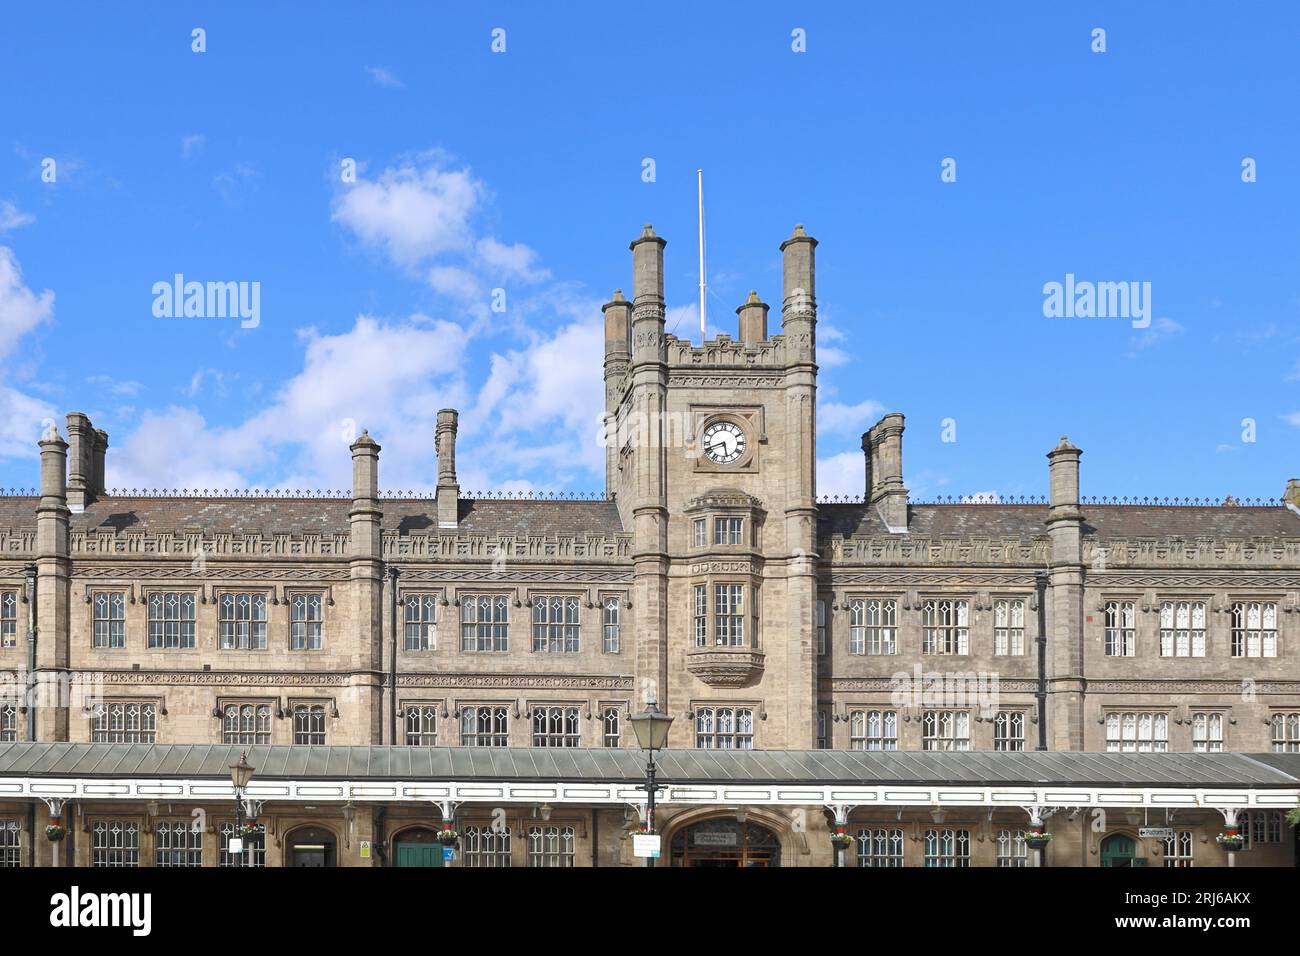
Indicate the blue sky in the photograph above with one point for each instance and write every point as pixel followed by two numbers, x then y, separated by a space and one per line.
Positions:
pixel 522 170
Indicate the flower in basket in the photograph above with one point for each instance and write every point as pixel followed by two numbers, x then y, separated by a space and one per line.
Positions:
pixel 252 829
pixel 55 831
pixel 1036 838
pixel 840 837
pixel 1231 839
pixel 447 836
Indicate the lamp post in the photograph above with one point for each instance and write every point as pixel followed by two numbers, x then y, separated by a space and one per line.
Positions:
pixel 241 772
pixel 651 728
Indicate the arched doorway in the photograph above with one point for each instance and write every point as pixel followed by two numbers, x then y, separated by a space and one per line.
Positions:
pixel 725 841
pixel 312 847
pixel 417 846
pixel 1118 849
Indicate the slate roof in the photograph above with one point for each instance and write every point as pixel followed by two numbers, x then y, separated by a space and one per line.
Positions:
pixel 610 765
pixel 1102 521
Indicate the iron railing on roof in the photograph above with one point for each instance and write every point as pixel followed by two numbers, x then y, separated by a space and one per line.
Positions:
pixel 19 493
pixel 995 499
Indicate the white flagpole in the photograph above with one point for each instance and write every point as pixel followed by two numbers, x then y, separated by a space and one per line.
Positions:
pixel 699 178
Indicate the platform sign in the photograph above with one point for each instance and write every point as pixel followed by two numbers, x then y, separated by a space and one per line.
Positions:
pixel 235 845
pixel 646 845
pixel 448 854
pixel 1156 833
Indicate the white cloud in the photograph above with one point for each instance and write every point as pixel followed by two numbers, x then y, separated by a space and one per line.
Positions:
pixel 22 421
pixel 1161 330
pixel 842 474
pixel 113 386
pixel 11 217
pixel 1292 419
pixel 981 498
pixel 454 281
pixel 192 144
pixel 236 183
pixel 514 261
pixel 836 417
pixel 385 78
pixel 21 310
pixel 412 212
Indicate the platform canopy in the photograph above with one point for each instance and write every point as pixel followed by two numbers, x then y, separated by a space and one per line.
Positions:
pixel 200 773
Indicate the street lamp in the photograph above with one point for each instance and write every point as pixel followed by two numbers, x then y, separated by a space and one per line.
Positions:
pixel 651 728
pixel 241 772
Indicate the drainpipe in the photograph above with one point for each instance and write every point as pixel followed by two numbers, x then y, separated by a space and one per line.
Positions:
pixel 1040 582
pixel 30 684
pixel 392 655
pixel 595 836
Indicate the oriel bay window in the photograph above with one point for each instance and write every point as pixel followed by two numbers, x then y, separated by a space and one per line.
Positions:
pixel 420 622
pixel 171 620
pixel 556 727
pixel 241 621
pixel 484 622
pixel 556 624
pixel 108 625
pixel 728 531
pixel 726 618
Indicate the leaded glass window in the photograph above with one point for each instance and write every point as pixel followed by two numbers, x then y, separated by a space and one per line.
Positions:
pixel 11 844
pixel 1012 851
pixel 115 843
pixel 247 724
pixel 555 624
pixel 305 618
pixel 1009 627
pixel 241 621
pixel 1179 849
pixel 108 627
pixel 550 846
pixel 1207 733
pixel 309 725
pixel 1009 730
pixel 947 848
pixel 8 618
pixel 1137 732
pixel 124 722
pixel 1182 629
pixel 724 728
pixel 421 725
pixel 171 620
pixel 1285 733
pixel 612 731
pixel 177 844
pixel 484 726
pixel 1254 629
pixel 1121 629
pixel 484 846
pixel 484 622
pixel 881 847
pixel 873 730
pixel 420 619
pixel 946 627
pixel 556 727
pixel 611 624
pixel 945 730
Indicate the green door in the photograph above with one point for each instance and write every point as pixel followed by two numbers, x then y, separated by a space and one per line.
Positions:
pixel 1118 850
pixel 419 854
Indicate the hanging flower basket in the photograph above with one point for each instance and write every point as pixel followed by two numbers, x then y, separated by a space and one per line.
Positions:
pixel 1036 838
pixel 643 830
pixel 251 830
pixel 55 831
pixel 1231 839
pixel 448 836
pixel 840 839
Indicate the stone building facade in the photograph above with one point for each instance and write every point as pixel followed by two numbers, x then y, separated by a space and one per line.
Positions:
pixel 708 578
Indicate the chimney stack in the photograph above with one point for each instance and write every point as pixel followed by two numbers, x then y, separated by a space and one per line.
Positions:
pixel 99 486
pixel 648 297
pixel 799 291
pixel 365 514
pixel 1292 494
pixel 753 320
pixel 81 463
pixel 448 494
pixel 883 445
pixel 52 512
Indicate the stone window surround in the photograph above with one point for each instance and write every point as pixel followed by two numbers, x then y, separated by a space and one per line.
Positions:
pixel 159 704
pixel 439 594
pixel 326 601
pixel 224 701
pixel 217 592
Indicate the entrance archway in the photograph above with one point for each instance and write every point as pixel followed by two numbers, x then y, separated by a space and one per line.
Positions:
pixel 1118 849
pixel 417 846
pixel 311 847
pixel 726 842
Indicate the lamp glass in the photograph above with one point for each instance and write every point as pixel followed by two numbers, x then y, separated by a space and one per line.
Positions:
pixel 651 727
pixel 241 772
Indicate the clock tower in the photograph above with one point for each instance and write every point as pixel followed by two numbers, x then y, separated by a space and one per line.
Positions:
pixel 711 458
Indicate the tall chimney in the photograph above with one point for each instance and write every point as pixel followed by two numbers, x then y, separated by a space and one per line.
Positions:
pixel 52 512
pixel 99 486
pixel 365 514
pixel 885 467
pixel 799 290
pixel 448 494
pixel 81 448
pixel 753 320
pixel 1065 636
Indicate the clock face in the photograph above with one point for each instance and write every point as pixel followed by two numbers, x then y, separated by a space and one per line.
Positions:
pixel 724 442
